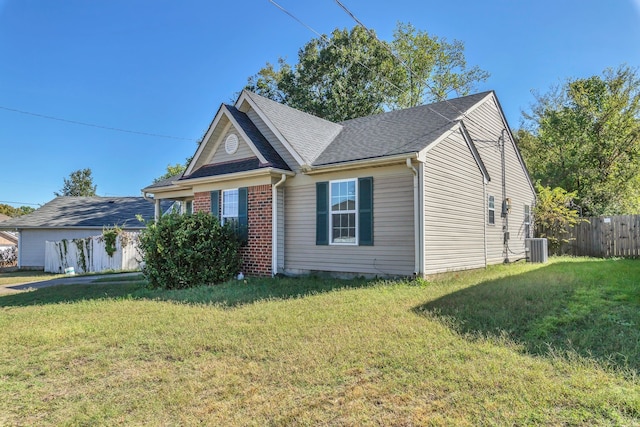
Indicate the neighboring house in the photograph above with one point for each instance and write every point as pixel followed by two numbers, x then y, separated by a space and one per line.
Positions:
pixel 408 192
pixel 7 239
pixel 73 218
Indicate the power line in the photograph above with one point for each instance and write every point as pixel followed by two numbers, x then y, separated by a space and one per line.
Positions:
pixel 75 122
pixel 405 65
pixel 326 40
pixel 20 203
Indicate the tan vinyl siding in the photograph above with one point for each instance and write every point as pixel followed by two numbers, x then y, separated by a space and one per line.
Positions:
pixel 393 249
pixel 208 148
pixel 243 152
pixel 453 208
pixel 485 125
pixel 273 140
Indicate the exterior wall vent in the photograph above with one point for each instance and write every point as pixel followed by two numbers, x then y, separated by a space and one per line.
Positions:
pixel 536 250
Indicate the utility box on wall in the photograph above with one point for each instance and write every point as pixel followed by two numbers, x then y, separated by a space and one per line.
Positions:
pixel 536 250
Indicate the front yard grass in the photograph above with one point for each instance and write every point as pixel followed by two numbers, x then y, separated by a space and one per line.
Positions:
pixel 520 344
pixel 16 277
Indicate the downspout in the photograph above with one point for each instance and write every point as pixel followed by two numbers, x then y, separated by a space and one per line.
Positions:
pixel 416 219
pixel 504 208
pixel 484 194
pixel 274 224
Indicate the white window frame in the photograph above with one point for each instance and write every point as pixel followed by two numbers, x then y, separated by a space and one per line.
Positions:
pixel 347 211
pixel 491 209
pixel 527 221
pixel 224 216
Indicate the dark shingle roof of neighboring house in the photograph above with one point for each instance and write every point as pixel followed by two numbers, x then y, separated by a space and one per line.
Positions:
pixel 395 132
pixel 87 212
pixel 307 134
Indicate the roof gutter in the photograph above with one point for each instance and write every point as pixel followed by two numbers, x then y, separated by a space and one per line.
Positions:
pixel 229 177
pixel 380 161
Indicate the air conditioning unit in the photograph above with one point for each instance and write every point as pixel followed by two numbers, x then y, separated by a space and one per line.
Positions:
pixel 536 250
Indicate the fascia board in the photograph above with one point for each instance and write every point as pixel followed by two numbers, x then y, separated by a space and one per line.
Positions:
pixel 204 141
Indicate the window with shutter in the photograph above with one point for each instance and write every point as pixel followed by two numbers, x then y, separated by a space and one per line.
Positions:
pixel 344 212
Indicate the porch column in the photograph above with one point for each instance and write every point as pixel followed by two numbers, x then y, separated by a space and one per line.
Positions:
pixel 157 212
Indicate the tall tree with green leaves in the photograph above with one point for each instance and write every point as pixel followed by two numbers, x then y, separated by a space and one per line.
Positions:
pixel 585 137
pixel 172 170
pixel 336 78
pixel 353 74
pixel 9 210
pixel 433 68
pixel 79 183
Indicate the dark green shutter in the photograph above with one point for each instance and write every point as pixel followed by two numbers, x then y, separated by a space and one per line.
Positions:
pixel 365 211
pixel 322 213
pixel 215 204
pixel 243 220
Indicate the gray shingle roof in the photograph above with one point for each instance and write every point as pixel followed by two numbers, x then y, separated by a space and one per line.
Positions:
pixel 87 212
pixel 163 182
pixel 307 134
pixel 395 132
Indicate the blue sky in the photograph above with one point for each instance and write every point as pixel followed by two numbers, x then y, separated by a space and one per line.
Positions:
pixel 164 67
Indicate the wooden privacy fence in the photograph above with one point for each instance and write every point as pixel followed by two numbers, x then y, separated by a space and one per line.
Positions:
pixel 90 254
pixel 604 237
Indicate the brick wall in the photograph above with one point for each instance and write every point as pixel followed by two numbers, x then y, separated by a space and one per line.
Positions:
pixel 202 202
pixel 257 252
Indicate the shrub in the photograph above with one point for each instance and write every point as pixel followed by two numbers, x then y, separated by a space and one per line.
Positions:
pixel 182 251
pixel 553 215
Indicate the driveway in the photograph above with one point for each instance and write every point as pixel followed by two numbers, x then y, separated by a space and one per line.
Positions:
pixel 67 280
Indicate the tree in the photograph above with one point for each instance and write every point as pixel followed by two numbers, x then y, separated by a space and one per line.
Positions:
pixel 336 78
pixel 434 68
pixel 585 137
pixel 9 210
pixel 353 74
pixel 172 170
pixel 80 183
pixel 553 215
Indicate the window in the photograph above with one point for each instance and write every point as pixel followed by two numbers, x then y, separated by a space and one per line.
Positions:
pixel 230 207
pixel 234 210
pixel 527 222
pixel 492 210
pixel 344 212
pixel 343 197
pixel 188 207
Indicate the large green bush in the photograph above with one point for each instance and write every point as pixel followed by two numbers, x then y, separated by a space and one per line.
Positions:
pixel 182 251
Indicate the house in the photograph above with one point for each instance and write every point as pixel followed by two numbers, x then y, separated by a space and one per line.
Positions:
pixel 413 192
pixel 7 239
pixel 72 218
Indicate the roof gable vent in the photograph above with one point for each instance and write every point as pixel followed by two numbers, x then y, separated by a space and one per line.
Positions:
pixel 231 144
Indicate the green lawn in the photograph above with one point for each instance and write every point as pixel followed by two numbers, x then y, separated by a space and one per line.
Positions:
pixel 521 344
pixel 16 277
